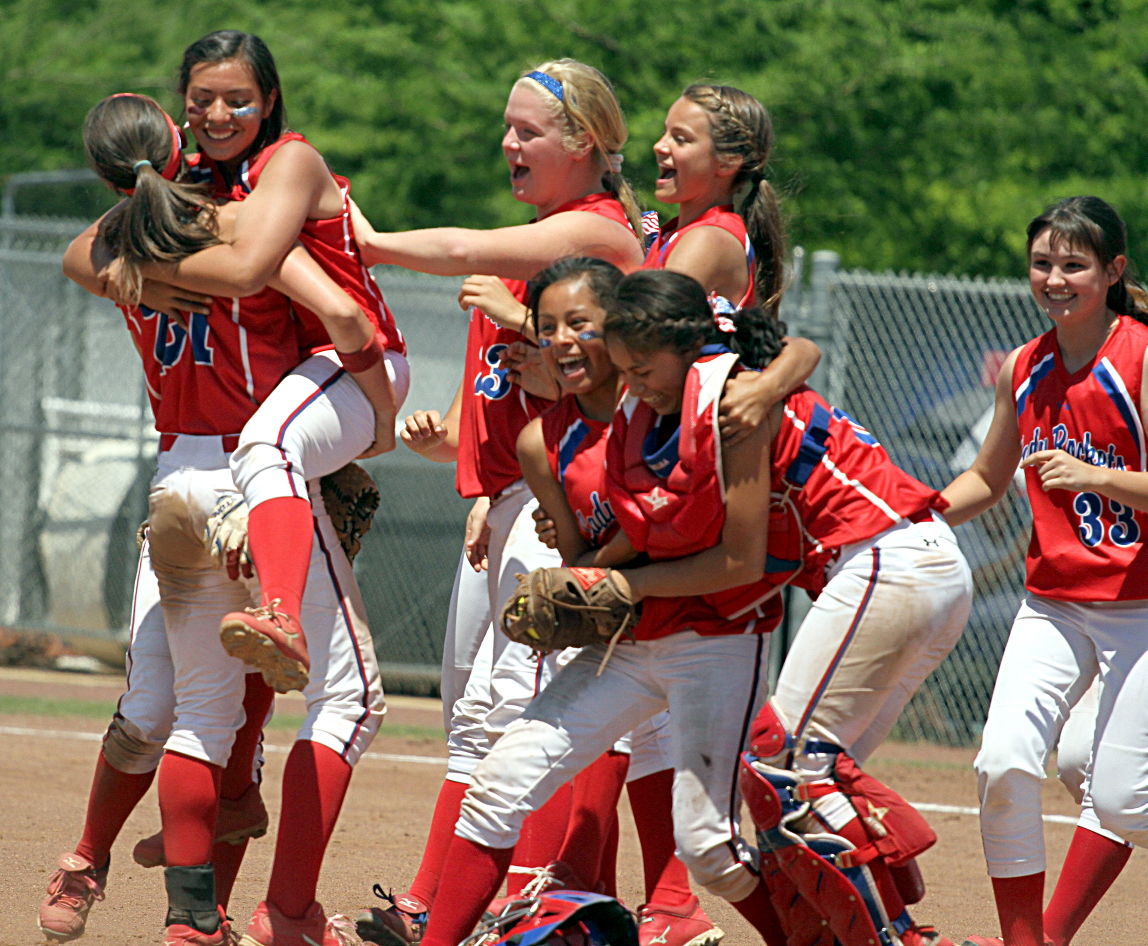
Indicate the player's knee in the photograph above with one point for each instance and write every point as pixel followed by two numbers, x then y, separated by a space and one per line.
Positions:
pixel 1121 812
pixel 717 868
pixel 126 749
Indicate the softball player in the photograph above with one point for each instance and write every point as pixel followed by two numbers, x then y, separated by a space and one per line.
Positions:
pixel 692 656
pixel 1069 408
pixel 564 130
pixel 204 381
pixel 562 455
pixel 318 419
pixel 716 148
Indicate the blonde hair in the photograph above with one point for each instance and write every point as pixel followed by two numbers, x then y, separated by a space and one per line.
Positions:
pixel 590 114
pixel 741 128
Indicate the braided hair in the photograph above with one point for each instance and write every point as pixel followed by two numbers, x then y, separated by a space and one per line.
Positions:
pixel 741 128
pixel 655 309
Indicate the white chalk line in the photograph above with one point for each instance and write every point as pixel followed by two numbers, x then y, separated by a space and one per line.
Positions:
pixel 441 761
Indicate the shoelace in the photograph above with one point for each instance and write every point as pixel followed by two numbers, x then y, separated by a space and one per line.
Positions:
pixel 73 887
pixel 267 611
pixel 343 929
pixel 543 878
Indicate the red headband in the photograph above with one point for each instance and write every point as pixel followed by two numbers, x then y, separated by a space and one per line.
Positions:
pixel 177 139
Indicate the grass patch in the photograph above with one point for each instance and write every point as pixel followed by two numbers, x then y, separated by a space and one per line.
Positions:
pixel 40 706
pixel 102 710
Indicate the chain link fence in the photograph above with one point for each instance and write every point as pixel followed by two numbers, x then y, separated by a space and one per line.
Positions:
pixel 913 358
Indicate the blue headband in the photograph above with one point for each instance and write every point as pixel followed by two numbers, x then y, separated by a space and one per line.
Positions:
pixel 547 82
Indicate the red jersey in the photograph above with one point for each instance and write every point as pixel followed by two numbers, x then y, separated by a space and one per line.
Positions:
pixel 331 243
pixel 841 481
pixel 668 492
pixel 494 409
pixel 722 217
pixel 210 377
pixel 1084 546
pixel 576 449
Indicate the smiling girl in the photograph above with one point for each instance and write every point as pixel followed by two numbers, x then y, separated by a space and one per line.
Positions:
pixel 1070 409
pixel 563 134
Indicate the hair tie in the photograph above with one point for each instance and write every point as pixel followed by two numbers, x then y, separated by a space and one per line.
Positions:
pixel 140 164
pixel 178 138
pixel 723 312
pixel 614 162
pixel 547 82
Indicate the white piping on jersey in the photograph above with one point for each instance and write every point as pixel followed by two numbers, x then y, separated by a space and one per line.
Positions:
pixel 248 378
pixel 710 393
pixel 842 477
pixel 1025 387
pixel 1133 410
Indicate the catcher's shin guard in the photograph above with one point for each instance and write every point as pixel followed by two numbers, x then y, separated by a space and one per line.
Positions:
pixel 829 848
pixel 817 901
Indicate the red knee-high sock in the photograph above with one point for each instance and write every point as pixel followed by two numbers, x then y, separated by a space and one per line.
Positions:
pixel 1092 863
pixel 227 859
pixel 454 917
pixel 279 533
pixel 594 801
pixel 425 885
pixel 113 796
pixel 608 865
pixel 1018 906
pixel 759 913
pixel 651 801
pixel 541 837
pixel 240 771
pixel 315 782
pixel 188 806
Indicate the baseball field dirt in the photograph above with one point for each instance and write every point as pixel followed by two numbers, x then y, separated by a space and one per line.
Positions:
pixel 51 722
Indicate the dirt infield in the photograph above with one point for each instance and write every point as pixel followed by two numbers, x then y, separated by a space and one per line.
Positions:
pixel 50 725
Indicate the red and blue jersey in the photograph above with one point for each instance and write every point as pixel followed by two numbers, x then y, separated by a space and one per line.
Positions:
pixel 576 450
pixel 667 490
pixel 843 486
pixel 1084 546
pixel 210 376
pixel 722 217
pixel 495 409
pixel 330 241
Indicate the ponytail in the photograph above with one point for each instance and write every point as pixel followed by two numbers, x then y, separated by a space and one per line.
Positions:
pixel 654 309
pixel 741 128
pixel 134 146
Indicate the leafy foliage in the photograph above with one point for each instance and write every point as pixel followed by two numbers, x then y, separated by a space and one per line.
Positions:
pixel 912 134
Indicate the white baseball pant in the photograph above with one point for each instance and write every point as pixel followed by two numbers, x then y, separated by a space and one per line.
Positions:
pixel 712 687
pixel 1054 651
pixel 893 608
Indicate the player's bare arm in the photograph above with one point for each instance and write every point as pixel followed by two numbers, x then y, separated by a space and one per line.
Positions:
pixel 516 252
pixel 294 186
pixel 749 395
pixel 715 258
pixel 984 483
pixel 476 537
pixel 535 466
